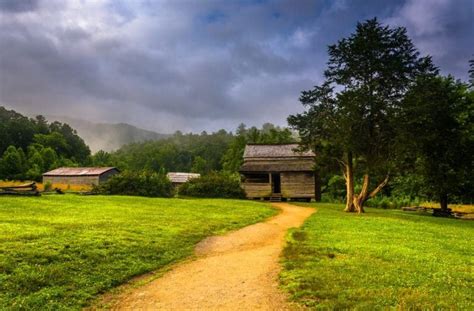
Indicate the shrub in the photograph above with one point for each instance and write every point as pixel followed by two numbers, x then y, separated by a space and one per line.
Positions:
pixel 48 186
pixel 147 184
pixel 214 185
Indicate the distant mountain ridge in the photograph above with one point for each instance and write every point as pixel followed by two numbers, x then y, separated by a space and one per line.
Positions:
pixel 107 136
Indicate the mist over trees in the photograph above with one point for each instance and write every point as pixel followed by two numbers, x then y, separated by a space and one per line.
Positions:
pixel 197 153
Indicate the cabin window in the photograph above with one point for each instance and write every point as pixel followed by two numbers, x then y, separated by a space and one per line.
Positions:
pixel 257 178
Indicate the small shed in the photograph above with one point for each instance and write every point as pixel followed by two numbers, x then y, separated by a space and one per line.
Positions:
pixel 79 175
pixel 178 178
pixel 278 172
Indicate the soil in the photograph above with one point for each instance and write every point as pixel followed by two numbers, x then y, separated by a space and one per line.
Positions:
pixel 238 270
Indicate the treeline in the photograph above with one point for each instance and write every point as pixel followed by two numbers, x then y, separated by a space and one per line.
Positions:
pixel 31 146
pixel 198 153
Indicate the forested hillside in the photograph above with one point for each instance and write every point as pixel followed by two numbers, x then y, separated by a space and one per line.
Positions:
pixel 31 146
pixel 200 153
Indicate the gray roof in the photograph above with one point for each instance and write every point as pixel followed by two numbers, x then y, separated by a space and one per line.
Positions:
pixel 277 166
pixel 79 171
pixel 178 178
pixel 277 158
pixel 275 151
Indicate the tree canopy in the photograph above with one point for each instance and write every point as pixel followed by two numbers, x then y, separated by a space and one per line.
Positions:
pixel 349 118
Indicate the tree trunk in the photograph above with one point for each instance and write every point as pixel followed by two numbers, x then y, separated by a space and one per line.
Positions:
pixel 360 199
pixel 349 176
pixel 443 201
pixel 364 194
pixel 317 186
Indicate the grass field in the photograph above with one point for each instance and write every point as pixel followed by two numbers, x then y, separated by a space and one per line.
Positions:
pixel 59 252
pixel 378 260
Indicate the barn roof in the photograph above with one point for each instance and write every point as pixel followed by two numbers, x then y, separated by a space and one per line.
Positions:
pixel 178 178
pixel 79 171
pixel 275 151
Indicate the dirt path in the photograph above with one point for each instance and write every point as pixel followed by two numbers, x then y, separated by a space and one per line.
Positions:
pixel 235 271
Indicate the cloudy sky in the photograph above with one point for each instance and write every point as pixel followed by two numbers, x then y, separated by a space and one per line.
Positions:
pixel 197 65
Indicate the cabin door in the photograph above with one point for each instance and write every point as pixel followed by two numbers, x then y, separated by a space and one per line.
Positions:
pixel 276 183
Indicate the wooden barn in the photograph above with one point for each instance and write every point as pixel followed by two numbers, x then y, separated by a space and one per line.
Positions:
pixel 79 175
pixel 278 172
pixel 178 178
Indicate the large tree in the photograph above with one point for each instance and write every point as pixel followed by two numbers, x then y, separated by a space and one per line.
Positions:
pixel 350 116
pixel 437 116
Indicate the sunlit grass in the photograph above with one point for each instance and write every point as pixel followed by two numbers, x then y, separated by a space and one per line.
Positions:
pixel 61 251
pixel 378 260
pixel 463 208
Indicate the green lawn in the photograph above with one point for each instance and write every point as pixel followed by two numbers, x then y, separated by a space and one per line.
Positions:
pixel 378 260
pixel 59 252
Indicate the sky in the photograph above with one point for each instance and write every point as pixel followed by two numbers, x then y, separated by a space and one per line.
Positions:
pixel 197 65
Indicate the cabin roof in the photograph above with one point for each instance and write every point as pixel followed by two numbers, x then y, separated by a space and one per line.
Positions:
pixel 275 151
pixel 277 166
pixel 177 177
pixel 79 171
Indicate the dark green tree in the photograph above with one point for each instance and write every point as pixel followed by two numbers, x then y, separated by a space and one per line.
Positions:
pixel 350 116
pixel 200 166
pixel 13 164
pixel 437 116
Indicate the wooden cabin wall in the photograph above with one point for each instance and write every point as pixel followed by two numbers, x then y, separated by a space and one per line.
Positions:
pixel 297 185
pixel 72 180
pixel 257 190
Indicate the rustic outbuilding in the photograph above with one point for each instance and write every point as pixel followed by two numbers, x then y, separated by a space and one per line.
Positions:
pixel 278 172
pixel 79 175
pixel 178 178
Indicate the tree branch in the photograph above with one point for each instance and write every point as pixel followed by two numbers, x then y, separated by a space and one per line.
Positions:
pixel 379 187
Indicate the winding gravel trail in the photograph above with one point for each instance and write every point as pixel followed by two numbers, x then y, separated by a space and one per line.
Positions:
pixel 238 270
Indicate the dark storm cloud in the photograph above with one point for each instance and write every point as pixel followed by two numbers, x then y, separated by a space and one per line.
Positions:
pixel 18 5
pixel 196 65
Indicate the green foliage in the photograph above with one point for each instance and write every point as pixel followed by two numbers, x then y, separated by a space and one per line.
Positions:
pixel 268 134
pixel 335 190
pixel 200 166
pixel 394 201
pixel 177 153
pixel 101 158
pixel 214 185
pixel 12 164
pixel 436 119
pixel 60 252
pixel 383 259
pixel 350 117
pixel 48 186
pixel 147 184
pixel 48 146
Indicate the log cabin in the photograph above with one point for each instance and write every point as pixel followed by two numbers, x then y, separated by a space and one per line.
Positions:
pixel 278 172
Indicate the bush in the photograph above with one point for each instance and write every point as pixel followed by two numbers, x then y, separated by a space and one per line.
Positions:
pixel 214 185
pixel 48 186
pixel 147 184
